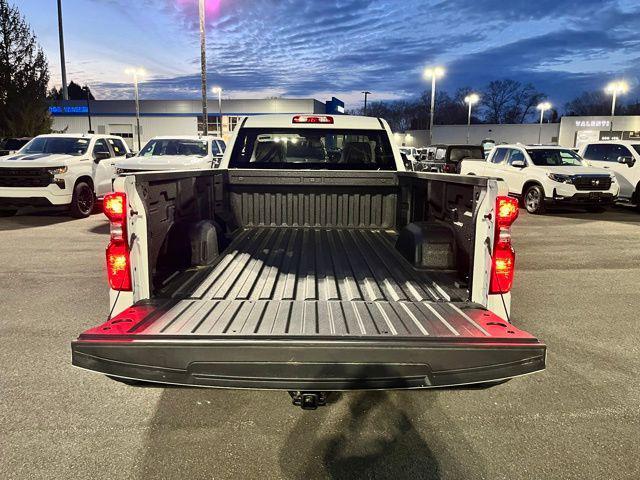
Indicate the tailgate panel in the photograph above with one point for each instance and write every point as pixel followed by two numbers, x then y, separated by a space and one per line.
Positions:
pixel 479 347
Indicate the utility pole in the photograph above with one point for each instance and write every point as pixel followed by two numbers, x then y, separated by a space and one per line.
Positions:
pixel 65 93
pixel 366 94
pixel 203 64
pixel 88 92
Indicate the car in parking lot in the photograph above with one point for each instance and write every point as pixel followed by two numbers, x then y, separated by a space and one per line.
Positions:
pixel 622 158
pixel 175 153
pixel 446 158
pixel 66 170
pixel 10 146
pixel 547 175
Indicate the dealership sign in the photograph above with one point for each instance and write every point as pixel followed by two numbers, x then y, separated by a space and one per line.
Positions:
pixel 69 109
pixel 593 123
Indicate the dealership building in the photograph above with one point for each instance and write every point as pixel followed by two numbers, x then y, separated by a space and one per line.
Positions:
pixel 571 132
pixel 173 117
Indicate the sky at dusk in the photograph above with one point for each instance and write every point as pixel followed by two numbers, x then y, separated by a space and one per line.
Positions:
pixel 322 48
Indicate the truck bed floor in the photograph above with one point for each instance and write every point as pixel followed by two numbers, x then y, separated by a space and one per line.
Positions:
pixel 315 281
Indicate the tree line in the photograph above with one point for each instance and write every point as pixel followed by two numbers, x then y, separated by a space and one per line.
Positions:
pixel 501 101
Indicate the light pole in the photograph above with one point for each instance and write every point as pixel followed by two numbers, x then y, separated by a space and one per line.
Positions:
pixel 433 73
pixel 542 107
pixel 137 73
pixel 218 90
pixel 470 99
pixel 366 94
pixel 65 93
pixel 203 66
pixel 615 88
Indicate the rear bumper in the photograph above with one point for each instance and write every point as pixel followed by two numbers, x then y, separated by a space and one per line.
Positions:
pixel 302 364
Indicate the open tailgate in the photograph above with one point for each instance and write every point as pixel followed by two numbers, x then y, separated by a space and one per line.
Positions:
pixel 309 345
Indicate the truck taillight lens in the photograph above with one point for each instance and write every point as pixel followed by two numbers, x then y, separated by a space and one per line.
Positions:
pixel 115 206
pixel 504 257
pixel 507 210
pixel 118 266
pixel 118 262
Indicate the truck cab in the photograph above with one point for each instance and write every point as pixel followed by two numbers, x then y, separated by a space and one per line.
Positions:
pixel 542 176
pixel 622 159
pixel 60 170
pixel 175 153
pixel 310 261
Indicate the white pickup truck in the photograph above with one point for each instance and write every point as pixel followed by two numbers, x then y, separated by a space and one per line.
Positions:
pixel 546 175
pixel 310 261
pixel 70 170
pixel 175 153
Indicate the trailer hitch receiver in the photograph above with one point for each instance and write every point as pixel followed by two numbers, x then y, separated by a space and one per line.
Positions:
pixel 309 400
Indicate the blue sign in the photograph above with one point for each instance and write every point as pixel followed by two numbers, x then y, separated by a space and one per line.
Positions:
pixel 69 109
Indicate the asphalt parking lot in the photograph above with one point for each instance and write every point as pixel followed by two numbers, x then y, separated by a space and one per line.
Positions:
pixel 576 288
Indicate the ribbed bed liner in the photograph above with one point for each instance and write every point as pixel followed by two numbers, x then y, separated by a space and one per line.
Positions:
pixel 321 264
pixel 318 281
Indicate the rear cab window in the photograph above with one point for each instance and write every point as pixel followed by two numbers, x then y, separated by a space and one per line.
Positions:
pixel 312 148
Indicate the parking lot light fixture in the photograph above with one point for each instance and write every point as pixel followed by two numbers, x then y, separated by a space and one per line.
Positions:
pixel 542 107
pixel 137 73
pixel 218 91
pixel 470 99
pixel 614 89
pixel 432 73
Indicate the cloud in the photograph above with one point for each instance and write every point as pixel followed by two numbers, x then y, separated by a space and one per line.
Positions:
pixel 312 48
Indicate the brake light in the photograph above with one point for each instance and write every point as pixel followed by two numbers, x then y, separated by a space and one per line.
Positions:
pixel 313 119
pixel 114 206
pixel 507 210
pixel 504 257
pixel 118 261
pixel 118 266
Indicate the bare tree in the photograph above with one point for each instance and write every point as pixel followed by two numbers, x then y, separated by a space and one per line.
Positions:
pixel 589 103
pixel 508 101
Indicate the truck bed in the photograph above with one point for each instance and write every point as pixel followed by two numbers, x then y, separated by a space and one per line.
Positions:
pixel 333 309
pixel 281 281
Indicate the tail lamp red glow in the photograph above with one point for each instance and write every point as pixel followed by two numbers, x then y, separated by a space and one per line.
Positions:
pixel 118 262
pixel 504 257
pixel 313 119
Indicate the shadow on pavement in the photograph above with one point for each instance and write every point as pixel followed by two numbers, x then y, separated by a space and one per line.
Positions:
pixel 102 229
pixel 615 214
pixel 34 218
pixel 375 439
pixel 210 433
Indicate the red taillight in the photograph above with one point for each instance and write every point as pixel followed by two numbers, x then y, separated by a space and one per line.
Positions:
pixel 118 266
pixel 507 210
pixel 313 119
pixel 115 205
pixel 118 263
pixel 504 257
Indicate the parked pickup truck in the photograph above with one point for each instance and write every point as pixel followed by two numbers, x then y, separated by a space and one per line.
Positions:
pixel 546 175
pixel 61 170
pixel 175 153
pixel 310 261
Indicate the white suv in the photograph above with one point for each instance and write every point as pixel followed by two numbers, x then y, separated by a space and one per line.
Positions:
pixel 622 158
pixel 545 175
pixel 60 170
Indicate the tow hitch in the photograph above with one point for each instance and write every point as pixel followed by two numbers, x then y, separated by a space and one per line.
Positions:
pixel 309 400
